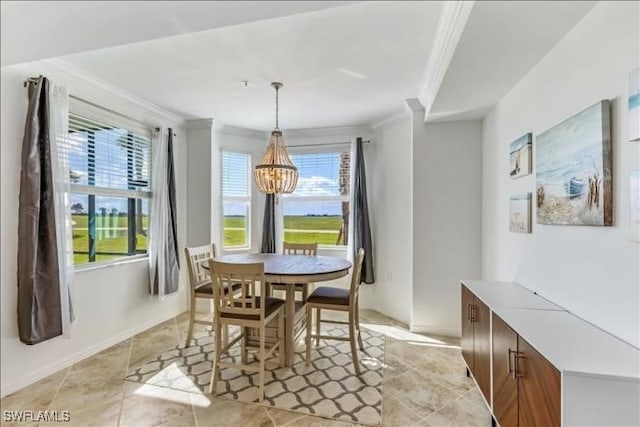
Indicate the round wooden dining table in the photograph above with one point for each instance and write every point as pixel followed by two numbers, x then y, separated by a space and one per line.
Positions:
pixel 292 270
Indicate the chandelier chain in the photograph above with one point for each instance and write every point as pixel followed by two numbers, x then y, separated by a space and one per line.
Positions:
pixel 277 105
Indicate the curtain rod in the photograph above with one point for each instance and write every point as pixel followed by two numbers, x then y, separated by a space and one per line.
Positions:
pixel 324 145
pixel 31 80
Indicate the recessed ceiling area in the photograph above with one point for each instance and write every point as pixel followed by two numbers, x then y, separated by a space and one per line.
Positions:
pixel 349 65
pixel 501 42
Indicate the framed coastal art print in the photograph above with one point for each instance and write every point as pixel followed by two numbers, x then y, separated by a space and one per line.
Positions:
pixel 520 213
pixel 574 168
pixel 633 105
pixel 520 156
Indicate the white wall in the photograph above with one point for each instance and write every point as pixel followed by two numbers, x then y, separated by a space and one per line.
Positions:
pixel 112 303
pixel 199 191
pixel 447 201
pixel 390 193
pixel 592 271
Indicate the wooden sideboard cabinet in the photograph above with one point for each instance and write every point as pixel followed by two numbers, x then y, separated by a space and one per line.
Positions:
pixel 475 340
pixel 539 365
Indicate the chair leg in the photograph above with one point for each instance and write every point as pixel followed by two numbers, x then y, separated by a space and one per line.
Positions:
pixel 262 357
pixel 192 317
pixel 352 341
pixel 307 339
pixel 225 335
pixel 357 313
pixel 243 347
pixel 281 333
pixel 318 320
pixel 216 369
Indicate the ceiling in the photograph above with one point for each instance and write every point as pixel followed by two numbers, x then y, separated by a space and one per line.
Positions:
pixel 342 63
pixel 501 42
pixel 64 27
pixel 341 66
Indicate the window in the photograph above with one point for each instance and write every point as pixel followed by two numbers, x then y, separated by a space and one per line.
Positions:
pixel 236 200
pixel 109 169
pixel 318 210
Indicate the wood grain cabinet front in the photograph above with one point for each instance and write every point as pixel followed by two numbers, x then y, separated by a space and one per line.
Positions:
pixel 505 381
pixel 476 340
pixel 526 387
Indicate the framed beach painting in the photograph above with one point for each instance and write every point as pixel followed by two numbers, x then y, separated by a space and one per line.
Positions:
pixel 520 213
pixel 574 168
pixel 520 156
pixel 634 203
pixel 633 105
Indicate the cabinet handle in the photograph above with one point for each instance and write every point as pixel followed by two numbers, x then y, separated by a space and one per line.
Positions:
pixel 469 313
pixel 517 355
pixel 473 314
pixel 510 369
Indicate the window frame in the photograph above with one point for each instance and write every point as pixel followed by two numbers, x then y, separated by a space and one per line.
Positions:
pixel 325 149
pixel 237 199
pixel 98 114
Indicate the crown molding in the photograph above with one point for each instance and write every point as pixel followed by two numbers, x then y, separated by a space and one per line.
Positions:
pixel 199 124
pixel 451 25
pixel 413 105
pixel 242 132
pixel 329 132
pixel 391 119
pixel 87 85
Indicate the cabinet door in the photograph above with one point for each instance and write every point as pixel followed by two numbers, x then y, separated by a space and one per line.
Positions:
pixel 538 388
pixel 505 384
pixel 466 337
pixel 482 347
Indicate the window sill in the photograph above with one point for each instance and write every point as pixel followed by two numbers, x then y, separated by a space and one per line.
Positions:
pixel 236 250
pixel 107 264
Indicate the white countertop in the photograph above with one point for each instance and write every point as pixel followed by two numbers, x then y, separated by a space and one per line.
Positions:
pixel 573 345
pixel 508 294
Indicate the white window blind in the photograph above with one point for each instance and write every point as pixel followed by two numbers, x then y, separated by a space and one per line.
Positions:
pixel 105 159
pixel 236 199
pixel 235 174
pixel 322 174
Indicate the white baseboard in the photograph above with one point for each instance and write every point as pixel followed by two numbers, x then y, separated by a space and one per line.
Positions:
pixel 32 377
pixel 430 329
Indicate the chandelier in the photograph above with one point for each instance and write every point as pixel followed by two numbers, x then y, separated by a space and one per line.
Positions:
pixel 276 173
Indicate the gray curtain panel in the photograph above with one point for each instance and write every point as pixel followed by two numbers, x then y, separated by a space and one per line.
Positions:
pixel 39 308
pixel 172 264
pixel 361 229
pixel 269 225
pixel 173 208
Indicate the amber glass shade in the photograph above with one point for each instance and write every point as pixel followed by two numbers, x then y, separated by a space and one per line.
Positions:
pixel 276 174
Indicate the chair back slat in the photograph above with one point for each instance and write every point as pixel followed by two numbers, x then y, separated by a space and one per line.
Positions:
pixel 356 274
pixel 289 248
pixel 250 278
pixel 196 258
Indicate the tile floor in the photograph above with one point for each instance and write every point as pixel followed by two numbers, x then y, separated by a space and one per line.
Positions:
pixel 424 385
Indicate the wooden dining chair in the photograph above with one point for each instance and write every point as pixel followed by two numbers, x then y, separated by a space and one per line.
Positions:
pixel 331 298
pixel 201 287
pixel 289 248
pixel 248 310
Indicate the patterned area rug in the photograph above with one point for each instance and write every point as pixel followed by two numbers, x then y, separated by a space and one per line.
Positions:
pixel 328 387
